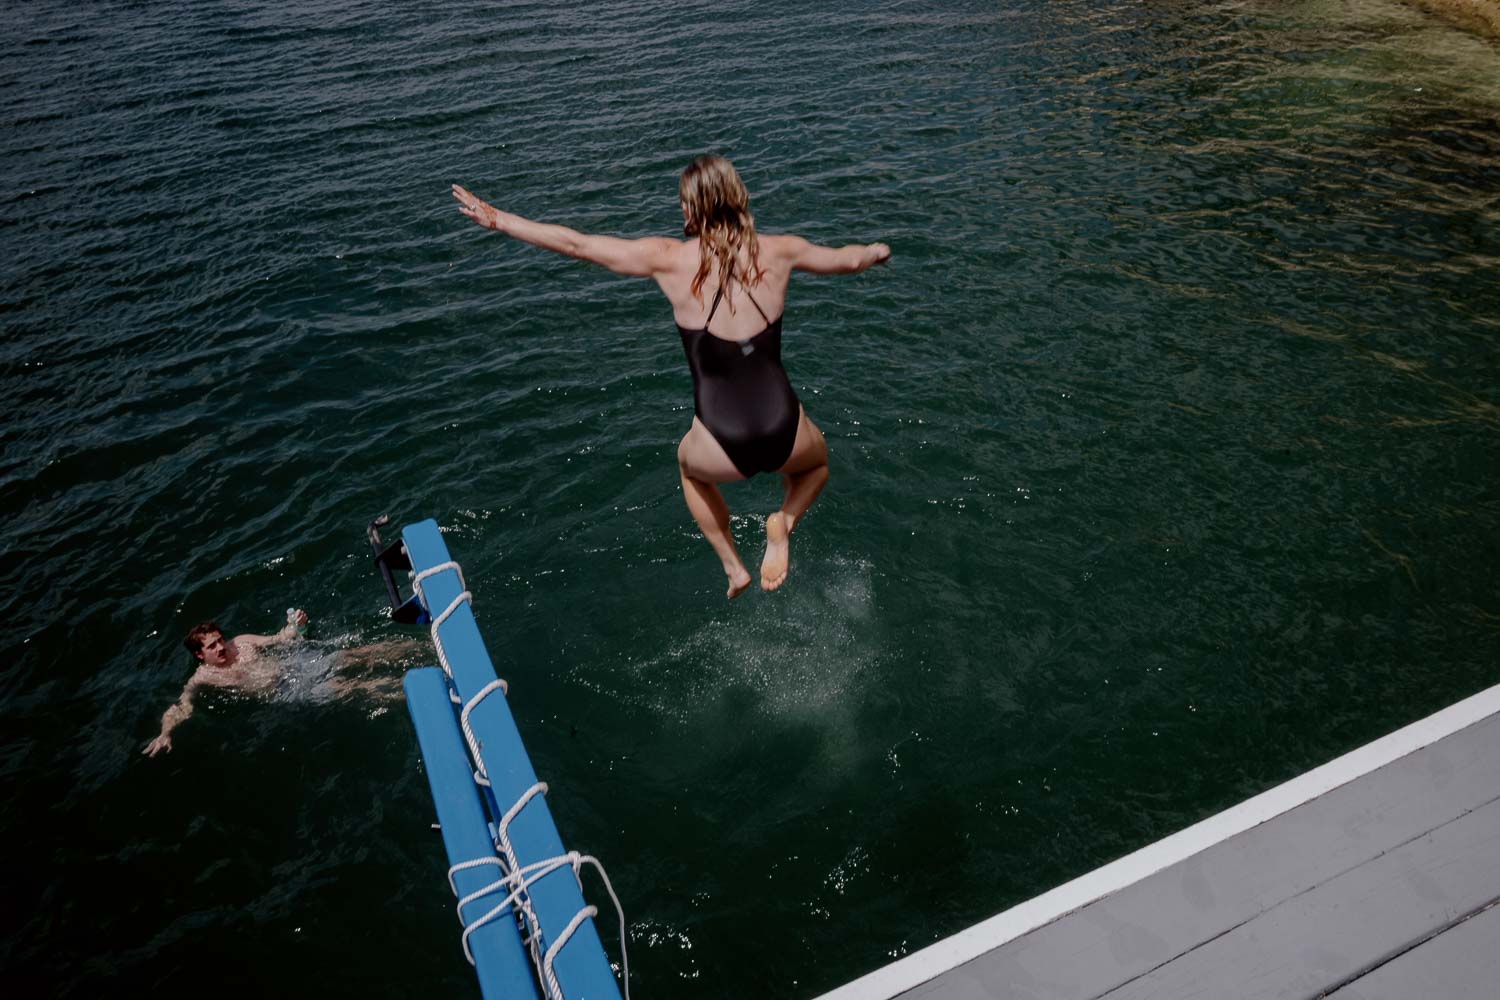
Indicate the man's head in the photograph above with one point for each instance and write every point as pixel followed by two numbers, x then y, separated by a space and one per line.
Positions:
pixel 208 645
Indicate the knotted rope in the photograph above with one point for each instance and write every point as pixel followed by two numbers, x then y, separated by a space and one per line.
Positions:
pixel 516 877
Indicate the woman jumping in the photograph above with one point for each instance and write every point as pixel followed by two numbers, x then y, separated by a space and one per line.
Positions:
pixel 746 417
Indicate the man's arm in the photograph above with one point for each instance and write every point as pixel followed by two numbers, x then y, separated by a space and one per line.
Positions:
pixel 245 643
pixel 174 717
pixel 287 634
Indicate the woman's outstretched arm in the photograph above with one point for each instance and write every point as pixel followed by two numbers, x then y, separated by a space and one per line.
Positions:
pixel 638 258
pixel 850 259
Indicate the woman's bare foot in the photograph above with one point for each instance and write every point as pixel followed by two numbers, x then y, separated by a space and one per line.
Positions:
pixel 739 579
pixel 778 555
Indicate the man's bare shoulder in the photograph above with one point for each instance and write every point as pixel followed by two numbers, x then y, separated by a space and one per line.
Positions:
pixel 252 640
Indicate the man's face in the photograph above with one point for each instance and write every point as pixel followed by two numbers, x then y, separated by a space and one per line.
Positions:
pixel 218 651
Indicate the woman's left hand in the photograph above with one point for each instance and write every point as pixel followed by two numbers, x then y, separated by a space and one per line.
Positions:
pixel 476 208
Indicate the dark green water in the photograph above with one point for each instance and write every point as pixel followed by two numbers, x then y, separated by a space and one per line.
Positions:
pixel 1164 457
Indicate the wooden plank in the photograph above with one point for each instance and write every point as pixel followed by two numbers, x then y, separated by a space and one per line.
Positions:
pixel 1346 925
pixel 1463 963
pixel 1125 935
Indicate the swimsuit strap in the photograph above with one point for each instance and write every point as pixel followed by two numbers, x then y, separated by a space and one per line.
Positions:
pixel 757 306
pixel 720 294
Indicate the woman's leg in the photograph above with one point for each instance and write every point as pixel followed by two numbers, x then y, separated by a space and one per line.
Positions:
pixel 702 464
pixel 803 477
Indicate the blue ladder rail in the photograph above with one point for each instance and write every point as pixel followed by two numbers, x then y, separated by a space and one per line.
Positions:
pixel 469 811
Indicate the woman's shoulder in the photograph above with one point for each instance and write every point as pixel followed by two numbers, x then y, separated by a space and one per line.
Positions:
pixel 780 246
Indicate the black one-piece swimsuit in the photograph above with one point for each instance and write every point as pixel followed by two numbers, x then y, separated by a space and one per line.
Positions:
pixel 742 395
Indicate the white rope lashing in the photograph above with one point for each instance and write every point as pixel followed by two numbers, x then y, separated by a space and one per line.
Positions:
pixel 464 597
pixel 522 880
pixel 518 875
pixel 515 870
pixel 513 863
pixel 465 866
pixel 416 582
pixel 463 717
pixel 556 946
pixel 481 776
pixel 578 918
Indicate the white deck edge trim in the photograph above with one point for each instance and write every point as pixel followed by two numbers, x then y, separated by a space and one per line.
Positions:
pixel 921 966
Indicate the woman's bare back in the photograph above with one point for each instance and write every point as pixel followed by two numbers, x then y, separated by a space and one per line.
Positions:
pixel 736 318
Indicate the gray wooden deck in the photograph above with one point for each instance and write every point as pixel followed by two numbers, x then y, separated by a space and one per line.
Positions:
pixel 1375 876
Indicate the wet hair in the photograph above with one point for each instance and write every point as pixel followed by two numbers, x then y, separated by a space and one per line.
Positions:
pixel 718 213
pixel 194 639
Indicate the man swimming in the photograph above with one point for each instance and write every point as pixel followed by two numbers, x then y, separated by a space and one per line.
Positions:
pixel 241 664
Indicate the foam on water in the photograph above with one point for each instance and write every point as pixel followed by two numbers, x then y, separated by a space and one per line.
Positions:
pixel 799 659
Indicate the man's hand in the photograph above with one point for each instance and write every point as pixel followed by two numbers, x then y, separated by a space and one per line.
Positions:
pixel 156 746
pixel 291 630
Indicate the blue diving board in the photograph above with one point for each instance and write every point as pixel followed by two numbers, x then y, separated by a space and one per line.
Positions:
pixel 500 959
pixel 470 813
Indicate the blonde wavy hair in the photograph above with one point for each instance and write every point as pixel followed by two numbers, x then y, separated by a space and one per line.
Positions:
pixel 718 213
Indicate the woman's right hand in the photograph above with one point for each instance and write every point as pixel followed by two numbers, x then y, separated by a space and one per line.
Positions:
pixel 881 252
pixel 476 208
